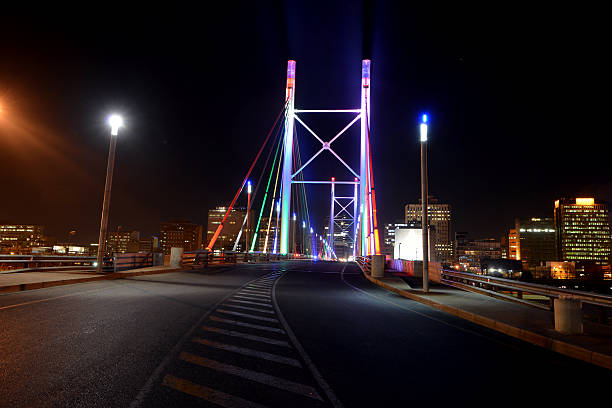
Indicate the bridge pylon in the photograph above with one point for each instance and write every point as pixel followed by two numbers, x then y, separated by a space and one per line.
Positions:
pixel 364 221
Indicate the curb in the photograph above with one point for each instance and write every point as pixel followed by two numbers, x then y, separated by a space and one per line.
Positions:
pixel 111 276
pixel 558 346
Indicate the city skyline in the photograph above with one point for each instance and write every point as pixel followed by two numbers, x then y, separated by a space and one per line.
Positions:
pixel 499 112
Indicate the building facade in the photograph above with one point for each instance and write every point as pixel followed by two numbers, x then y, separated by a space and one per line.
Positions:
pixel 471 252
pixel 122 241
pixel 582 230
pixel 440 227
pixel 535 241
pixel 226 239
pixel 185 235
pixel 20 236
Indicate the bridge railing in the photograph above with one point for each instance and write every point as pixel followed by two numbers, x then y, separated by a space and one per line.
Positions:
pixel 531 294
pixel 365 263
pixel 62 263
pixel 197 259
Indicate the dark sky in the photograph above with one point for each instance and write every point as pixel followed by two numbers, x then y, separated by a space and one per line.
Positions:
pixel 517 97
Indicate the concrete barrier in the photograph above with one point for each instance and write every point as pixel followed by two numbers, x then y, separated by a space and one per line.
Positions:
pixel 568 315
pixel 176 257
pixel 378 266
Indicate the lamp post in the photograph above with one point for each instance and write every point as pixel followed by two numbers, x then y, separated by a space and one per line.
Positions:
pixel 115 122
pixel 246 246
pixel 293 234
pixel 424 226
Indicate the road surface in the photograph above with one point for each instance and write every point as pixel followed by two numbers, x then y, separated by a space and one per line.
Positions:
pixel 290 334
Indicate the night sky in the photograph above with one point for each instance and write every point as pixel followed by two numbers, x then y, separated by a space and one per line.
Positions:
pixel 516 98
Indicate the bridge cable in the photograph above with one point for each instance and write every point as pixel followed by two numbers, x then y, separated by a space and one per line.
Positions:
pixel 220 227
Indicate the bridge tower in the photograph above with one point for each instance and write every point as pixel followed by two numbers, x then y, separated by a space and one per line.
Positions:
pixel 365 230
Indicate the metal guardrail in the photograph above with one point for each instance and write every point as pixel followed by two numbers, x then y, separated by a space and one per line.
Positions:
pixel 493 286
pixel 365 263
pixel 58 263
pixel 198 259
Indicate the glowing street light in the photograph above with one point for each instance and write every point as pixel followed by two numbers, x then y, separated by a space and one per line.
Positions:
pixel 425 227
pixel 115 122
pixel 246 244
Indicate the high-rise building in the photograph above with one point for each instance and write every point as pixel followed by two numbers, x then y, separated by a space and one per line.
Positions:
pixel 513 245
pixel 185 235
pixel 471 252
pixel 226 239
pixel 582 230
pixel 440 227
pixel 122 241
pixel 535 240
pixel 20 236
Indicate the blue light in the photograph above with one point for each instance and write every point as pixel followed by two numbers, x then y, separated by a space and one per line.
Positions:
pixel 424 118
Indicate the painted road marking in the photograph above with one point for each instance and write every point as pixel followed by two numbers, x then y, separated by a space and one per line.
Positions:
pixel 248 308
pixel 243 292
pixel 249 325
pixel 250 316
pixel 247 336
pixel 249 352
pixel 259 377
pixel 251 298
pixel 250 303
pixel 256 291
pixel 208 394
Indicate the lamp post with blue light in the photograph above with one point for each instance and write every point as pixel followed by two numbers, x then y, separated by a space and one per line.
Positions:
pixel 424 192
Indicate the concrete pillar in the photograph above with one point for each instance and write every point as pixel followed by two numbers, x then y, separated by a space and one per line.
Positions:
pixel 378 266
pixel 568 315
pixel 158 259
pixel 176 257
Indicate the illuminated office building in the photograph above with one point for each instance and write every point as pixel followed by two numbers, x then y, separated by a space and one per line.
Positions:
pixel 121 241
pixel 20 236
pixel 514 251
pixel 582 230
pixel 535 241
pixel 440 227
pixel 226 239
pixel 185 235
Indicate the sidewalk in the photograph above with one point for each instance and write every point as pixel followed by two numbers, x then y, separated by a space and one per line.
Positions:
pixel 16 282
pixel 526 323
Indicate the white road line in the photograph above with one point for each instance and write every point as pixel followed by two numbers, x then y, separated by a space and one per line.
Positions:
pixel 298 346
pixel 250 316
pixel 262 378
pixel 258 291
pixel 51 298
pixel 247 336
pixel 250 303
pixel 248 308
pixel 248 352
pixel 427 316
pixel 244 292
pixel 208 394
pixel 249 325
pixel 251 298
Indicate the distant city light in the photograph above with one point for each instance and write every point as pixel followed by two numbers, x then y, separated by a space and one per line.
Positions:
pixel 303 224
pixel 249 187
pixel 424 118
pixel 294 217
pixel 115 122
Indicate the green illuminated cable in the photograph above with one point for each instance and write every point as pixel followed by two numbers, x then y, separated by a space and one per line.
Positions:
pixel 265 197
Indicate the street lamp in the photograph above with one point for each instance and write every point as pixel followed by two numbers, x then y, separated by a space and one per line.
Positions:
pixel 115 122
pixel 293 235
pixel 424 192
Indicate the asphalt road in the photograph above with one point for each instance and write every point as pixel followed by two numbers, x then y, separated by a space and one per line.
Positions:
pixel 277 335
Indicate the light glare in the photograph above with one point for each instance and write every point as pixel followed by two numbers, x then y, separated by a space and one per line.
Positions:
pixel 115 122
